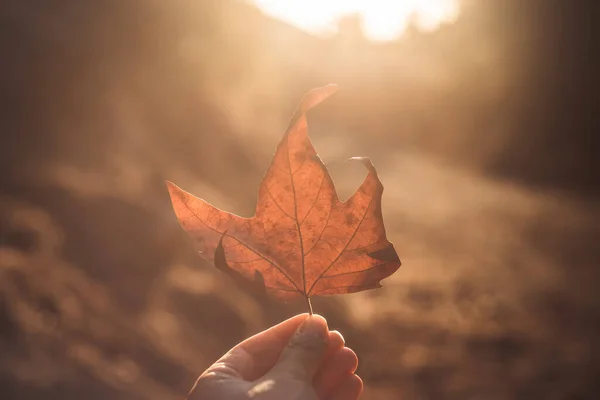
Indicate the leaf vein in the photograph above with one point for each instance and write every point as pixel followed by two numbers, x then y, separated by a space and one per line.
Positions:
pixel 245 245
pixel 320 234
pixel 343 250
pixel 315 200
pixel 296 219
pixel 277 204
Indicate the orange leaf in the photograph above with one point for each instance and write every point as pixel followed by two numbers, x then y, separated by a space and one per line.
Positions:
pixel 302 241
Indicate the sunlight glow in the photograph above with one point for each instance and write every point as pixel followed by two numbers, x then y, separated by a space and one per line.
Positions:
pixel 382 20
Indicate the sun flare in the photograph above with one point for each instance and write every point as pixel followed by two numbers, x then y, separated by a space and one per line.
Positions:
pixel 382 20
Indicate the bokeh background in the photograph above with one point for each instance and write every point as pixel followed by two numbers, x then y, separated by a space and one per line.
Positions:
pixel 481 129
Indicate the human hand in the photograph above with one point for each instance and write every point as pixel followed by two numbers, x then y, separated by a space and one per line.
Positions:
pixel 298 359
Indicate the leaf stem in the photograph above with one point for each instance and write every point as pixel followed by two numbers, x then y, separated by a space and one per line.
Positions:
pixel 310 310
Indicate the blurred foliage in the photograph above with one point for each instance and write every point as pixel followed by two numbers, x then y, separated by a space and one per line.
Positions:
pixel 479 131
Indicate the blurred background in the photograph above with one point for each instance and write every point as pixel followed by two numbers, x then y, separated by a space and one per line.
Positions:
pixel 477 114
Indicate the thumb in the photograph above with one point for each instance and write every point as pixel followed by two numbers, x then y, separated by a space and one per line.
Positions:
pixel 305 350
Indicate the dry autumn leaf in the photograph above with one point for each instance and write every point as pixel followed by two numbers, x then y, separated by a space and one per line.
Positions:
pixel 302 241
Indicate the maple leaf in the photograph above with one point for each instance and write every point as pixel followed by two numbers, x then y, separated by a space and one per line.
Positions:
pixel 302 241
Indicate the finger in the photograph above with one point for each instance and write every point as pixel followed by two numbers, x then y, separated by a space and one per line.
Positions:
pixel 279 334
pixel 335 342
pixel 349 389
pixel 255 356
pixel 305 350
pixel 341 365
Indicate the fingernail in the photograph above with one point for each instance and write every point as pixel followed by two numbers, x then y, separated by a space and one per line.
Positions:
pixel 314 325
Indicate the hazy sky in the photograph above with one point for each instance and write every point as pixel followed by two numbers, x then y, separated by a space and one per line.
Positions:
pixel 382 19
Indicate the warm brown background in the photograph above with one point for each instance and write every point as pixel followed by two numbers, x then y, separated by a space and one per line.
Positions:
pixel 481 132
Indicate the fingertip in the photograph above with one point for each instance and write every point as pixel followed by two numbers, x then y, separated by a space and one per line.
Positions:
pixel 348 359
pixel 334 371
pixel 336 342
pixel 338 336
pixel 314 325
pixel 317 319
pixel 356 383
pixel 298 319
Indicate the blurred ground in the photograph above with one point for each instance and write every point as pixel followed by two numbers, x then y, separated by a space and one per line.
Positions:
pixel 480 131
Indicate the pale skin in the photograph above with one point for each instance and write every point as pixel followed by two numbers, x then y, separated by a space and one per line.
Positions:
pixel 298 359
